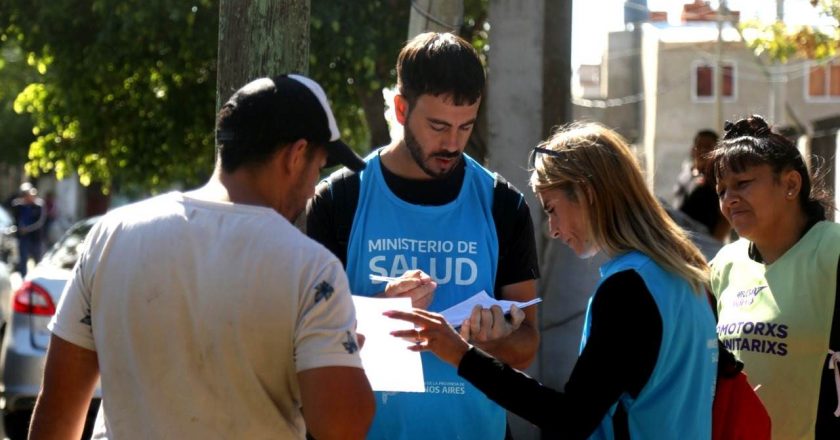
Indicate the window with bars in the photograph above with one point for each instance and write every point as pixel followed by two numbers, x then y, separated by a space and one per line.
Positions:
pixel 824 81
pixel 704 81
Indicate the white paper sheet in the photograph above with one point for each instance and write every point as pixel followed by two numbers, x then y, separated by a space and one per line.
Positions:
pixel 388 364
pixel 456 314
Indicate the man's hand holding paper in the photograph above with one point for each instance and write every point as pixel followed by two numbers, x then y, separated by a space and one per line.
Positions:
pixel 457 314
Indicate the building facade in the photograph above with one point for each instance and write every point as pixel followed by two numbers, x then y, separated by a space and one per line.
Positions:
pixel 661 88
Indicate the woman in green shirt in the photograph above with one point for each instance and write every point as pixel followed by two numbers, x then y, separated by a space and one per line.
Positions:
pixel 777 287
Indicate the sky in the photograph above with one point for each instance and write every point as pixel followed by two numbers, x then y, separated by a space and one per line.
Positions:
pixel 593 19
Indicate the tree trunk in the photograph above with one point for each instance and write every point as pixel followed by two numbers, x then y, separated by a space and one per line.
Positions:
pixel 557 65
pixel 435 16
pixel 260 38
pixel 477 144
pixel 373 105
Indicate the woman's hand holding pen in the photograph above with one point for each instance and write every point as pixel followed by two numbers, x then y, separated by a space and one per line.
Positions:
pixel 414 284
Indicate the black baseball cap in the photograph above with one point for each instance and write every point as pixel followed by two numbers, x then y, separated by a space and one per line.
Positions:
pixel 284 109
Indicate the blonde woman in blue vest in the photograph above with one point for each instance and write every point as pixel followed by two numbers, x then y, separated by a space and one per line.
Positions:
pixel 777 286
pixel 648 356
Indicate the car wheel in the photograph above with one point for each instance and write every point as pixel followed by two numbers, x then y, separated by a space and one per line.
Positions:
pixel 16 424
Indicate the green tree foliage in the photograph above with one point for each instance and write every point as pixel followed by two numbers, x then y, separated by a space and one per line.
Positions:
pixel 15 74
pixel 353 50
pixel 126 91
pixel 476 28
pixel 781 42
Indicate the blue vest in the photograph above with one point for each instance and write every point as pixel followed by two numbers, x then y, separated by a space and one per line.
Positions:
pixel 456 244
pixel 676 402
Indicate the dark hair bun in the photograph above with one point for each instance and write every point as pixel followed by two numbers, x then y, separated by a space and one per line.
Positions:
pixel 753 126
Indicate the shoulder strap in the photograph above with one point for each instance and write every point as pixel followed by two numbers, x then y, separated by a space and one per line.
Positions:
pixel 505 199
pixel 344 186
pixel 346 193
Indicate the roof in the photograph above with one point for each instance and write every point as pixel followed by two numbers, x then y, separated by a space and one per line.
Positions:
pixel 692 33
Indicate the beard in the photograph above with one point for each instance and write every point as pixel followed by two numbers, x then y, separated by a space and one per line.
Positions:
pixel 416 152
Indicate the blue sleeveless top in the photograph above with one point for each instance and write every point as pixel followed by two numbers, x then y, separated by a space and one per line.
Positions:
pixel 676 402
pixel 456 244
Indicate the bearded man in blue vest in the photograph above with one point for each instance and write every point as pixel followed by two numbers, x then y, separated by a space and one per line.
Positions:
pixel 446 227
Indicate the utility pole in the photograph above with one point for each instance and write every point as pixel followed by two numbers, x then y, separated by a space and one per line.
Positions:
pixel 777 79
pixel 721 13
pixel 527 94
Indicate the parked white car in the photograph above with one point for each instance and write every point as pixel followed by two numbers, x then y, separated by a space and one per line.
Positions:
pixel 8 239
pixel 23 347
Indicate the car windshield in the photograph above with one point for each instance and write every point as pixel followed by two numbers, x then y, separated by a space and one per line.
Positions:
pixel 66 251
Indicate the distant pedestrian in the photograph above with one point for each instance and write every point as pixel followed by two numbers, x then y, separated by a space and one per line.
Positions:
pixel 698 196
pixel 30 217
pixel 51 208
pixel 208 314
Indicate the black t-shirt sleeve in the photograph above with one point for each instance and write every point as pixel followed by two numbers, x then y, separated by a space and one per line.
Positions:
pixel 515 231
pixel 828 425
pixel 619 357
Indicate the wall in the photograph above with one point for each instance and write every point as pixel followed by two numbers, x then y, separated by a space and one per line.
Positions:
pixel 678 116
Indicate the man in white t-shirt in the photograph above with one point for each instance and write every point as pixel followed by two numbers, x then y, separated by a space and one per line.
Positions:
pixel 207 313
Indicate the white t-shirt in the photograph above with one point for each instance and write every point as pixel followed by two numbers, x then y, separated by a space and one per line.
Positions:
pixel 202 314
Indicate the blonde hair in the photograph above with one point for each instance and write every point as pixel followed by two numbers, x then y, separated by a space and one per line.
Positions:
pixel 593 163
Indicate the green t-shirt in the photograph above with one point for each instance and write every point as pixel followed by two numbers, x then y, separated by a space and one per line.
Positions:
pixel 777 319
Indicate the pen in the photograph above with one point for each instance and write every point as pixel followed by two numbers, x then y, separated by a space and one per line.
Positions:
pixel 382 279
